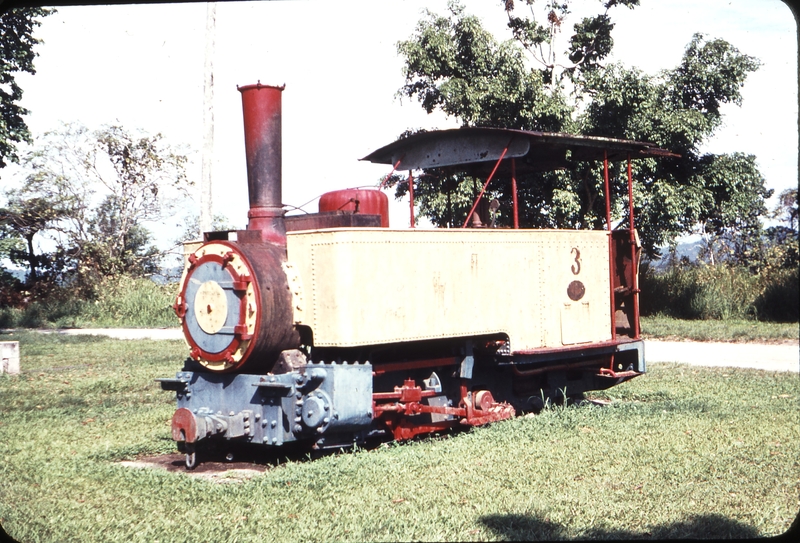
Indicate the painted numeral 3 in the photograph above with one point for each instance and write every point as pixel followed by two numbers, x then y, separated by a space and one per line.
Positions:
pixel 576 268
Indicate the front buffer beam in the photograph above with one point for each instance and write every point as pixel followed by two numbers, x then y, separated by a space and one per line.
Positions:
pixel 272 409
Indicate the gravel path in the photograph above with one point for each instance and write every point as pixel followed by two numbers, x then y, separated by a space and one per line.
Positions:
pixel 737 355
pixel 122 333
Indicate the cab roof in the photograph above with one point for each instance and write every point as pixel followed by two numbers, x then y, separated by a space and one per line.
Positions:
pixel 476 150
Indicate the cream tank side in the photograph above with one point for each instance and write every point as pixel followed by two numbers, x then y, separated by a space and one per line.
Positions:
pixel 234 301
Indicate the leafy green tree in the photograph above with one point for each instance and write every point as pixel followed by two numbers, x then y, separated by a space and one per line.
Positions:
pixel 16 55
pixel 783 239
pixel 111 250
pixel 786 210
pixel 453 64
pixel 106 185
pixel 732 207
pixel 21 221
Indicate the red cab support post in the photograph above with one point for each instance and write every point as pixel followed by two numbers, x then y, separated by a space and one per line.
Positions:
pixel 491 175
pixel 634 263
pixel 412 223
pixel 386 179
pixel 607 195
pixel 514 192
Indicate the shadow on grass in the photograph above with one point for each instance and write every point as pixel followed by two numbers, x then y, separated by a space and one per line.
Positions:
pixel 220 455
pixel 535 528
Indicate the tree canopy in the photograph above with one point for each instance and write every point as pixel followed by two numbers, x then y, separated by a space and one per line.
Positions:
pixel 92 193
pixel 16 55
pixel 453 64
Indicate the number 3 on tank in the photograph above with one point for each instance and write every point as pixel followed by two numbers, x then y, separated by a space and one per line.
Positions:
pixel 576 268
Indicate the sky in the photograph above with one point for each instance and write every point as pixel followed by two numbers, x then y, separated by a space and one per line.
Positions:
pixel 142 66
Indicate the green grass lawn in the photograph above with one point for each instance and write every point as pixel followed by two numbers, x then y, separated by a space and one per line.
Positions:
pixel 731 330
pixel 681 452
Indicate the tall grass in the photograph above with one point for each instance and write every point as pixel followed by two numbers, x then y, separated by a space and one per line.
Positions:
pixel 721 292
pixel 122 302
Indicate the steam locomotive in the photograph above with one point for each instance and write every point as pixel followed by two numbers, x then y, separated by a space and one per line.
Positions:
pixel 330 328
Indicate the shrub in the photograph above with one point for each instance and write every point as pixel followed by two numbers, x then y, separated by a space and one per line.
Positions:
pixel 724 291
pixel 780 300
pixel 119 302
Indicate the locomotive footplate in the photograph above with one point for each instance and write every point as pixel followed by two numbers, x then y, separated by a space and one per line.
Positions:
pixel 625 358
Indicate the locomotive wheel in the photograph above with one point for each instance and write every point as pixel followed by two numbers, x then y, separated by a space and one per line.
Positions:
pixel 191 457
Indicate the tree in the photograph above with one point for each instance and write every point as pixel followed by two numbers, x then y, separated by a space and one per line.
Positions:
pixel 23 219
pixel 453 64
pixel 783 239
pixel 101 188
pixel 732 205
pixel 16 55
pixel 786 210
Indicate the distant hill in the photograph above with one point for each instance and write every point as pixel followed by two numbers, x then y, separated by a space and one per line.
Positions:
pixel 19 273
pixel 689 249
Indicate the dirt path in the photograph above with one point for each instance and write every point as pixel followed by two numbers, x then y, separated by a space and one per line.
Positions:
pixel 122 333
pixel 737 355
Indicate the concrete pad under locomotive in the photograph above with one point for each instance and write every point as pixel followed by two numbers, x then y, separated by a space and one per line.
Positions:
pixel 331 328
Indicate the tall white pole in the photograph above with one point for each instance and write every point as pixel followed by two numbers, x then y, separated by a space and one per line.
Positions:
pixel 208 120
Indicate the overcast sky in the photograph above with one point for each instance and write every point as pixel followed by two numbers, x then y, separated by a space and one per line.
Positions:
pixel 142 66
